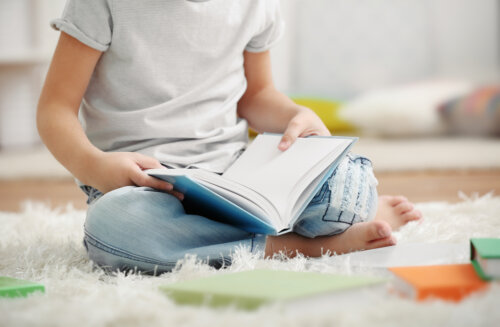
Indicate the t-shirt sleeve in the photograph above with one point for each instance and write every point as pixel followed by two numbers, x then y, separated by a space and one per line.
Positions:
pixel 89 21
pixel 271 29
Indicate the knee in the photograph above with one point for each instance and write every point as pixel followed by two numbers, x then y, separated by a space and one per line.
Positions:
pixel 126 204
pixel 120 227
pixel 108 205
pixel 354 187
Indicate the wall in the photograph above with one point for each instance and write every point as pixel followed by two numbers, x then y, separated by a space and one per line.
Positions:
pixel 339 48
pixel 332 48
pixel 26 46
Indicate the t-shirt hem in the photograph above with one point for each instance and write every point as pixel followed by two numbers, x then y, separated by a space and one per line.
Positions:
pixel 70 29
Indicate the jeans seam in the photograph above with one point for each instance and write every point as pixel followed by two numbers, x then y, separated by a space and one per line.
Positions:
pixel 352 218
pixel 321 196
pixel 102 246
pixel 326 211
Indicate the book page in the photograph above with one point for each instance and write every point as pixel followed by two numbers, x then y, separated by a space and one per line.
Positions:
pixel 238 194
pixel 407 254
pixel 300 204
pixel 276 174
pixel 222 199
pixel 243 196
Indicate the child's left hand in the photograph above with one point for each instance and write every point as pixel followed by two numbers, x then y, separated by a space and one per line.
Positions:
pixel 304 123
pixel 268 110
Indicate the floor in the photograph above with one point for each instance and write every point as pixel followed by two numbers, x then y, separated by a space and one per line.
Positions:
pixel 417 186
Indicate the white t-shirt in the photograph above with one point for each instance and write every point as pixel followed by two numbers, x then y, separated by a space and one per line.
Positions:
pixel 171 74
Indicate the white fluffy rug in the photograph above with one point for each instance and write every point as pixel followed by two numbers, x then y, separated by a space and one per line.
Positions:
pixel 45 246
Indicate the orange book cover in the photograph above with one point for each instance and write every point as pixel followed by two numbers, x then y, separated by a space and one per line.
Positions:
pixel 448 282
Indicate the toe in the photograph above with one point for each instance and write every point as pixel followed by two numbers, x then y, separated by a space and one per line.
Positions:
pixel 383 242
pixel 412 215
pixel 404 207
pixel 395 200
pixel 375 230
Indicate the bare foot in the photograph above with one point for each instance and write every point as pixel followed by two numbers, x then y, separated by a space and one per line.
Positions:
pixel 360 236
pixel 392 213
pixel 396 210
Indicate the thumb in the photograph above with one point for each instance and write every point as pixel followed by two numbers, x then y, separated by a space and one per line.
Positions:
pixel 146 162
pixel 292 131
pixel 140 178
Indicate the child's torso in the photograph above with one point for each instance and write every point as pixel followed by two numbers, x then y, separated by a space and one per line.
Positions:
pixel 169 83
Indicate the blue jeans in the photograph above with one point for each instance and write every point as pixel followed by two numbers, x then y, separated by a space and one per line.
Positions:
pixel 148 230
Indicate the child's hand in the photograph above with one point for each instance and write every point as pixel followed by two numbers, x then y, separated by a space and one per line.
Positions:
pixel 113 170
pixel 305 123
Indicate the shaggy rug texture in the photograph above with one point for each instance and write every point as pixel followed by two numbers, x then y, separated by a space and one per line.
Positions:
pixel 45 246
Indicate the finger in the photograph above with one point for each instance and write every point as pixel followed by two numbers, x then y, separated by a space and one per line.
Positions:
pixel 307 133
pixel 142 179
pixel 146 162
pixel 158 184
pixel 292 131
pixel 178 195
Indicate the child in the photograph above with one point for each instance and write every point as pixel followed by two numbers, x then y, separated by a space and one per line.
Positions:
pixel 150 84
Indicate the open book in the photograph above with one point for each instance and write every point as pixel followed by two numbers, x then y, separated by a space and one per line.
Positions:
pixel 405 254
pixel 265 190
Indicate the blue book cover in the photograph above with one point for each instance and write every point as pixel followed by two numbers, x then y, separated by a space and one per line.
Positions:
pixel 265 190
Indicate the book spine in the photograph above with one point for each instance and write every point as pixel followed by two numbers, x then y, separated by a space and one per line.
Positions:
pixel 475 262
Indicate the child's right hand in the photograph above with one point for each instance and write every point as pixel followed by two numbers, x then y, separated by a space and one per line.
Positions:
pixel 57 119
pixel 113 170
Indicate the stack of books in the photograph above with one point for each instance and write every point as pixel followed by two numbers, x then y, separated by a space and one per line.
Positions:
pixel 452 282
pixel 252 289
pixel 265 190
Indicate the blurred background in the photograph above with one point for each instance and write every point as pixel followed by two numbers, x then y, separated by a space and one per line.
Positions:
pixel 417 80
pixel 341 48
pixel 26 46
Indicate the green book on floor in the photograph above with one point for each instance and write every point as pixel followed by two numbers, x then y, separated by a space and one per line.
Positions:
pixel 251 289
pixel 12 287
pixel 485 257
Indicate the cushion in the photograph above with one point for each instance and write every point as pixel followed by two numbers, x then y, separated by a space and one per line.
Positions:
pixel 477 113
pixel 327 110
pixel 408 110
